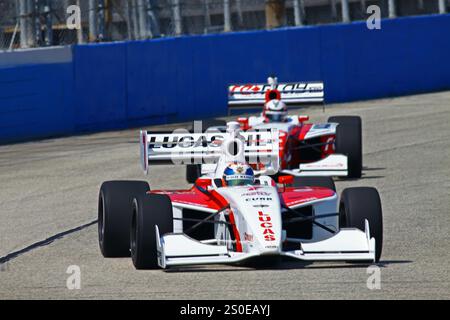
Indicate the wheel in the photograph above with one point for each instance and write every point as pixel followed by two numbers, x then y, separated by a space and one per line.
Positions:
pixel 326 182
pixel 148 210
pixel 194 171
pixel 349 142
pixel 359 204
pixel 114 215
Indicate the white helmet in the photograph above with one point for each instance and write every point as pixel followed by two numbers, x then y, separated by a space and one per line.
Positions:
pixel 275 110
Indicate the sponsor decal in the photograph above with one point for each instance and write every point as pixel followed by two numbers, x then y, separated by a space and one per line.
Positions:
pixel 256 193
pixel 259 199
pixel 325 165
pixel 305 189
pixel 254 188
pixel 266 224
pixel 256 140
pixel 321 126
pixel 261 206
pixel 329 146
pixel 186 141
pixel 291 203
pixel 180 140
pixel 286 88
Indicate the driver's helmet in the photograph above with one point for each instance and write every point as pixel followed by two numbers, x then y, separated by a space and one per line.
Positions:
pixel 238 174
pixel 275 111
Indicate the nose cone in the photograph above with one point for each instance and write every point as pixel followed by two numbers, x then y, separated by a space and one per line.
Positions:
pixel 269 231
pixel 259 214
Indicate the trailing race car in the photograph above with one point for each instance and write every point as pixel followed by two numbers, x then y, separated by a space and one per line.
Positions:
pixel 236 213
pixel 323 149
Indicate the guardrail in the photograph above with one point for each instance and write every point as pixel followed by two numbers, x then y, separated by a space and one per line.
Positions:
pixel 128 84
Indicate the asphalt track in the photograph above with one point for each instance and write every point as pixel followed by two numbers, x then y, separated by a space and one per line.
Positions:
pixel 48 199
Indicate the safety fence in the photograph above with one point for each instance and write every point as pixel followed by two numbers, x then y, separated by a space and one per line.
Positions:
pixel 94 87
pixel 41 23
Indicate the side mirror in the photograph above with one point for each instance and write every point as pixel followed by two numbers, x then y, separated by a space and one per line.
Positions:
pixel 286 180
pixel 204 183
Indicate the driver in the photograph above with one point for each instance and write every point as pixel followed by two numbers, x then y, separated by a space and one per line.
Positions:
pixel 275 111
pixel 238 174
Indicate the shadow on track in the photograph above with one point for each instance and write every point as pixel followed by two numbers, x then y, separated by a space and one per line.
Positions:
pixel 43 243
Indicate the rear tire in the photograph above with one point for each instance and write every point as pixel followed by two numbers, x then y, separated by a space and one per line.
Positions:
pixel 349 142
pixel 359 204
pixel 114 215
pixel 325 182
pixel 194 171
pixel 148 210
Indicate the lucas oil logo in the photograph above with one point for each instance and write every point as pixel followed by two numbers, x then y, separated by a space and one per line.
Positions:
pixel 188 140
pixel 266 223
pixel 183 141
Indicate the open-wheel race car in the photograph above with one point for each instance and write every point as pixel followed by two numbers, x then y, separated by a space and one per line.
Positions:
pixel 333 148
pixel 236 213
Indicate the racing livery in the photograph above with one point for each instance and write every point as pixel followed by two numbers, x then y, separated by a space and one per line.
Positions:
pixel 306 149
pixel 237 212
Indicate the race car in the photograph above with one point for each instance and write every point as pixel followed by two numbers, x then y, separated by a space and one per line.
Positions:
pixel 235 214
pixel 306 149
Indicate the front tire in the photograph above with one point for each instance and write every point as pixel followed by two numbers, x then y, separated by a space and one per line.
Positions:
pixel 359 204
pixel 149 210
pixel 114 216
pixel 349 142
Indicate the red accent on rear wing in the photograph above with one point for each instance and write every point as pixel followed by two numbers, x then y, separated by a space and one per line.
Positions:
pixel 254 95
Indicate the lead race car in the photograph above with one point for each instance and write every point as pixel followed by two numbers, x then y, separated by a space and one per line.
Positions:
pixel 235 213
pixel 306 149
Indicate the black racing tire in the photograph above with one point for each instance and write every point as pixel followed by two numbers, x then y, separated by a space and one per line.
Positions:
pixel 149 210
pixel 114 215
pixel 194 171
pixel 349 142
pixel 359 204
pixel 325 182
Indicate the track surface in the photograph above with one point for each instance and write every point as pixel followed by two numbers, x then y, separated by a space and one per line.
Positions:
pixel 50 187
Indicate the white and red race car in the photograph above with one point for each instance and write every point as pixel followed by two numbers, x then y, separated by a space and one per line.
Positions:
pixel 306 149
pixel 212 223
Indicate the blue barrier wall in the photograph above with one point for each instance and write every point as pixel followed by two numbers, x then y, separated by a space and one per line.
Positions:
pixel 28 108
pixel 119 85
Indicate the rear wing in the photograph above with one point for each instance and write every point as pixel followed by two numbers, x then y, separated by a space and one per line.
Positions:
pixel 261 147
pixel 255 95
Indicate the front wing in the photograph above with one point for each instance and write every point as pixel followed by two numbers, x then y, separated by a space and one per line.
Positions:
pixel 335 165
pixel 177 249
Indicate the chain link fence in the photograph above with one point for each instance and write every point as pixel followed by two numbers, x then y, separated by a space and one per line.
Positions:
pixel 37 23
